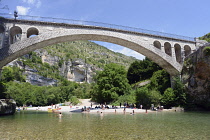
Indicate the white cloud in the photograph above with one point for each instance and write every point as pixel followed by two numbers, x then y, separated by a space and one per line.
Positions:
pixel 36 3
pixel 22 10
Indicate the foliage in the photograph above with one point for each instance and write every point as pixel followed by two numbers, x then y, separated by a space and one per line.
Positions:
pixel 12 73
pixel 207 51
pixel 205 37
pixel 25 93
pixel 169 98
pixel 74 100
pixel 143 97
pixel 127 98
pixel 155 97
pixel 160 81
pixel 93 53
pixel 179 92
pixel 110 83
pixel 141 70
pixel 2 90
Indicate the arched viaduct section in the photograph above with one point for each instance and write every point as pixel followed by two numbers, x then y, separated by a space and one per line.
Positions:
pixel 166 52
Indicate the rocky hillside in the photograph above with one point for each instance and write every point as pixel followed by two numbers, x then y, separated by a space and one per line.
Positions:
pixel 196 77
pixel 75 61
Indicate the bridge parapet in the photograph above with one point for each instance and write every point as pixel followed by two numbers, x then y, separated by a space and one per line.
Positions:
pixel 98 24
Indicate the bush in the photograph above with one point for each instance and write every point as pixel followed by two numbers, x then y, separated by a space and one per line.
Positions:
pixel 207 51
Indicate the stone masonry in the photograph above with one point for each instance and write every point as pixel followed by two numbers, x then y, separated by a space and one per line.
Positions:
pixel 167 52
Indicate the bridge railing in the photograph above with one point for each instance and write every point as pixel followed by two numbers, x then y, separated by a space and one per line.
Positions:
pixel 98 24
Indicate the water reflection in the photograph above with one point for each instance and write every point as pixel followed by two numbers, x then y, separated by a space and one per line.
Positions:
pixel 43 125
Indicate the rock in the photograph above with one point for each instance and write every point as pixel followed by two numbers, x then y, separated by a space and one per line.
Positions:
pixel 196 77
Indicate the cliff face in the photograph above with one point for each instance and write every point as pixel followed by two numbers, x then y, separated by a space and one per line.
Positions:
pixel 75 61
pixel 196 77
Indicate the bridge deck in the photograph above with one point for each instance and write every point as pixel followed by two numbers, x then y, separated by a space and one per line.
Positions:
pixel 95 25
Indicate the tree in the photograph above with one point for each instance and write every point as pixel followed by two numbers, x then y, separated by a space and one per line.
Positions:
pixel 179 92
pixel 143 97
pixel 160 81
pixel 141 70
pixel 11 74
pixel 110 83
pixel 169 98
pixel 7 74
pixel 155 97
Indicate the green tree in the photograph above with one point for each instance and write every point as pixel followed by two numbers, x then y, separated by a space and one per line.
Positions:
pixel 141 70
pixel 160 81
pixel 7 74
pixel 179 92
pixel 143 97
pixel 74 100
pixel 12 73
pixel 169 98
pixel 127 98
pixel 110 83
pixel 155 97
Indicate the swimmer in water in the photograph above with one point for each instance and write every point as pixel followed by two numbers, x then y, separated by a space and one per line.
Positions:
pixel 60 115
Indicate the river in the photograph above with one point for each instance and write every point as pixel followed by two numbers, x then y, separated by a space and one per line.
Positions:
pixel 32 125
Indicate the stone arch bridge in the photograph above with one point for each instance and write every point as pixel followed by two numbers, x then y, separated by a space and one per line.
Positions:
pixel 25 34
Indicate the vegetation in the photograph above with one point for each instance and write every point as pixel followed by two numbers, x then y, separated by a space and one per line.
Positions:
pixel 207 51
pixel 205 37
pixel 141 70
pixel 112 85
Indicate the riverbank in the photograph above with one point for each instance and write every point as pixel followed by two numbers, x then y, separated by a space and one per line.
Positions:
pixel 86 103
pixel 91 110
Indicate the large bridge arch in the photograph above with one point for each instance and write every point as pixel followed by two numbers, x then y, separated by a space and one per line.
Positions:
pixel 49 38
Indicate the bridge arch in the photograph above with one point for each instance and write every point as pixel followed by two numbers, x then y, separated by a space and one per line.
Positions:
pixel 2 30
pixel 32 31
pixel 52 37
pixel 187 50
pixel 177 48
pixel 15 34
pixel 167 48
pixel 157 44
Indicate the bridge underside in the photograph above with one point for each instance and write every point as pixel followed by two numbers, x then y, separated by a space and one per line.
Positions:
pixel 133 42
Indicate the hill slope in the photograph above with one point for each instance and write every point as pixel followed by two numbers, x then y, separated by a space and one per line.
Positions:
pixel 75 61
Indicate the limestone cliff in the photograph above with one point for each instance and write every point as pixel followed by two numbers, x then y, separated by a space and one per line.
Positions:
pixel 75 61
pixel 196 77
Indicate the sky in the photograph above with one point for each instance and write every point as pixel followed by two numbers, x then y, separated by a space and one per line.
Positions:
pixel 182 17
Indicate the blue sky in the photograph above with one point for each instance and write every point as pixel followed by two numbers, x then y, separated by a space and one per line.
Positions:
pixel 182 17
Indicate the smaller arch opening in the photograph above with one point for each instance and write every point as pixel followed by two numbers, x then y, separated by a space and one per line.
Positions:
pixel 15 34
pixel 167 47
pixel 2 29
pixel 32 32
pixel 157 44
pixel 177 48
pixel 187 50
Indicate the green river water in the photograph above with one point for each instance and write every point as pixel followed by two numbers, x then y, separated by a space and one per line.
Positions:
pixel 34 125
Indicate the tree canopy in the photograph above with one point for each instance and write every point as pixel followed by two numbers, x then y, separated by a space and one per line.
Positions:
pixel 110 83
pixel 141 70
